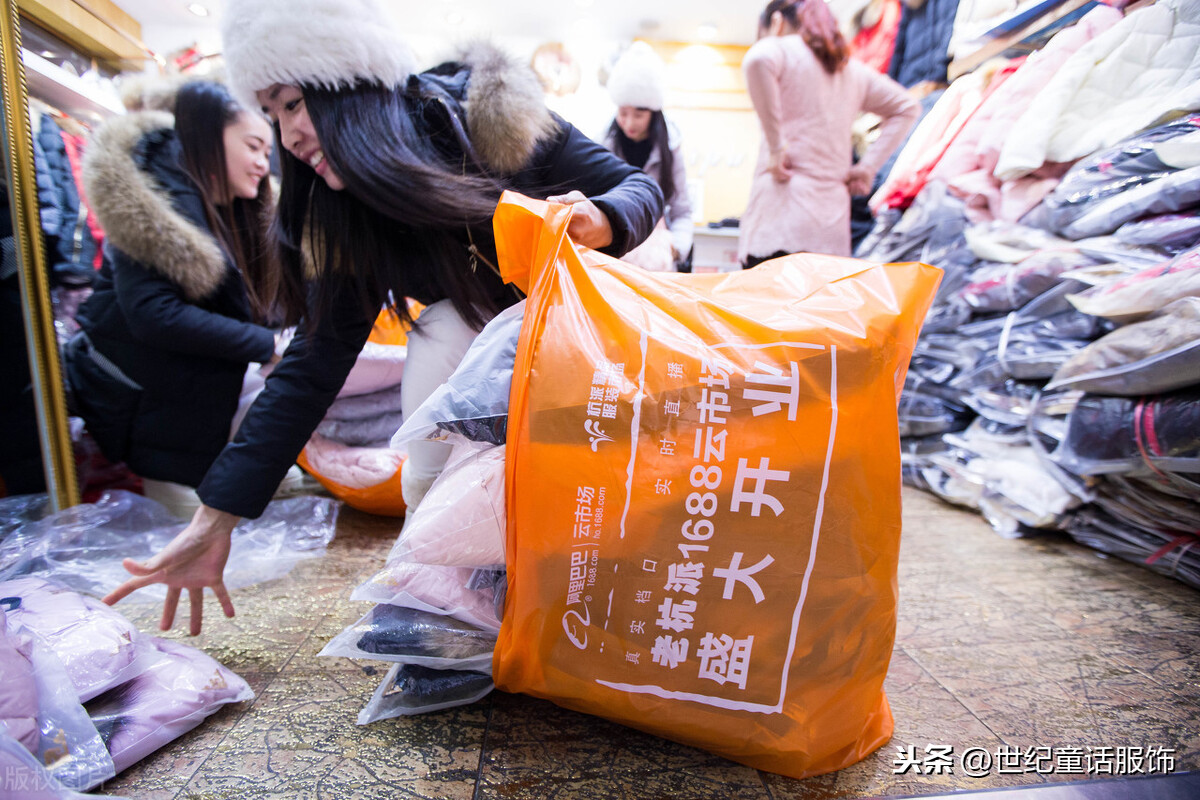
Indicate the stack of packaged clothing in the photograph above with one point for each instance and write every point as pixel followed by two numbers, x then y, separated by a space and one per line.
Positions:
pixel 87 694
pixel 439 598
pixel 1056 381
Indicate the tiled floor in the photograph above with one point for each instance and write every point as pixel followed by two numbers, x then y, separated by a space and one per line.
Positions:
pixel 1035 643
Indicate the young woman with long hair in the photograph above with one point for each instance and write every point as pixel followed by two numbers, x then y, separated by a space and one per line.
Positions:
pixel 389 183
pixel 167 335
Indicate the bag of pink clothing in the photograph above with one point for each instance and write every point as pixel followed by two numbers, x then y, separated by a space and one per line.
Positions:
pixel 94 642
pixel 460 521
pixel 447 589
pixel 18 690
pixel 179 688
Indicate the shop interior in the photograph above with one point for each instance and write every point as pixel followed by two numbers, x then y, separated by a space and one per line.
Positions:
pixel 1046 619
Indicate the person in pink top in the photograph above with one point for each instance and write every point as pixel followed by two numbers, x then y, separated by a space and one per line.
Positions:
pixel 807 93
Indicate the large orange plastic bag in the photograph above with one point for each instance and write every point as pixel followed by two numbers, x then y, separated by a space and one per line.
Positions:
pixel 703 487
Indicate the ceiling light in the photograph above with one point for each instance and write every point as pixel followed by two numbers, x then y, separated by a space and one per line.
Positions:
pixel 198 10
pixel 706 32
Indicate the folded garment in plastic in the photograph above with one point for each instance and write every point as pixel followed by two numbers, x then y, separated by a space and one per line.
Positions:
pixel 94 642
pixel 1133 435
pixel 415 636
pixel 474 400
pixel 1158 354
pixel 179 688
pixel 409 689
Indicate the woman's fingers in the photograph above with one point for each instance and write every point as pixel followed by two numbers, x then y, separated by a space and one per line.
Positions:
pixel 130 586
pixel 196 596
pixel 169 607
pixel 223 597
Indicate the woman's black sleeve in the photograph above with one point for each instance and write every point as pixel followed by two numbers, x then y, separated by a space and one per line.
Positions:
pixel 569 161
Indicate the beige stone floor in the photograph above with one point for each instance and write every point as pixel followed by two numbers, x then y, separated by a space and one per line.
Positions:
pixel 1017 643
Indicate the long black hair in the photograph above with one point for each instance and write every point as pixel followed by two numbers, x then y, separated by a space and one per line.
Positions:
pixel 203 109
pixel 400 227
pixel 660 138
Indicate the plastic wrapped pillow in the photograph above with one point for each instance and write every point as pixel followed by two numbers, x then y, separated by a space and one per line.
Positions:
pixel 180 687
pixel 94 642
pixel 409 689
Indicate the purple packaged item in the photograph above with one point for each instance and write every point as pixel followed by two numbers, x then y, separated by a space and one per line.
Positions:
pixel 178 689
pixel 18 690
pixel 94 642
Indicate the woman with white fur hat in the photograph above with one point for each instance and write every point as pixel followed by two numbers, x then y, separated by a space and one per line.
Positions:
pixel 643 137
pixel 389 183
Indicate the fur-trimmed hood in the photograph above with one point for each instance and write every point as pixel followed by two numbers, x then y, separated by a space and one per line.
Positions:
pixel 137 213
pixel 506 107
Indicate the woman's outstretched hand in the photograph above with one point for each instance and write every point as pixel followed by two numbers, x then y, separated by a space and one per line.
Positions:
pixel 588 226
pixel 194 559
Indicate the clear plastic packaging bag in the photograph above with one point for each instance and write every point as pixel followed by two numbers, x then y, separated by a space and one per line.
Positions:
pixel 179 688
pixel 24 777
pixel 474 400
pixel 448 589
pixel 1133 435
pixel 1175 232
pixel 1108 173
pixel 82 547
pixel 1158 354
pixel 410 635
pixel 461 521
pixel 410 689
pixel 1131 298
pixel 70 747
pixel 95 643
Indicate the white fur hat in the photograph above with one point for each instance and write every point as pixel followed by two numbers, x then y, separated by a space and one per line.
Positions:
pixel 637 78
pixel 327 43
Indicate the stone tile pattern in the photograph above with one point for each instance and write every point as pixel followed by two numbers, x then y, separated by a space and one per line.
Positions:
pixel 1029 643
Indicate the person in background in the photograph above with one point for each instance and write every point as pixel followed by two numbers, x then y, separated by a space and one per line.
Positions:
pixel 642 136
pixel 168 333
pixel 807 93
pixel 389 183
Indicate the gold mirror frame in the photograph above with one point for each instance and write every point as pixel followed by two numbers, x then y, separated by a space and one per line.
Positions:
pixel 50 396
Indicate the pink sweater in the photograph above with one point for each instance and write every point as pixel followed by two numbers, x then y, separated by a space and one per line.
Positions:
pixel 809 112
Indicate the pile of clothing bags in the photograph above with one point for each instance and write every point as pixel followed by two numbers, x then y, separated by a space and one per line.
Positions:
pixel 87 694
pixel 1056 380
